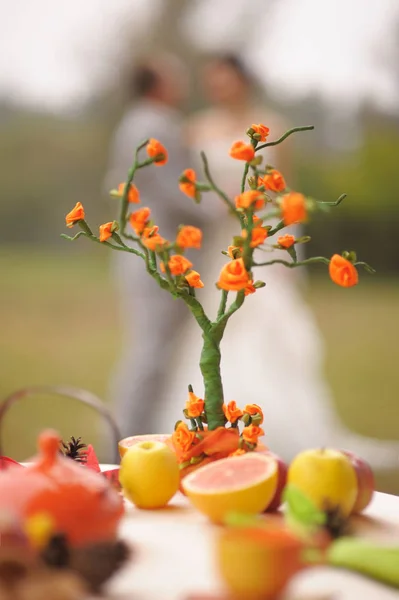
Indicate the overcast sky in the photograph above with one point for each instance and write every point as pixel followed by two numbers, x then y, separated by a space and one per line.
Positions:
pixel 51 52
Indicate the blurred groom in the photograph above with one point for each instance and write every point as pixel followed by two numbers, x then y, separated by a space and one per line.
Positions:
pixel 149 315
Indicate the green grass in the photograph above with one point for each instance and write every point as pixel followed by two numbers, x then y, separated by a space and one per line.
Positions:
pixel 59 325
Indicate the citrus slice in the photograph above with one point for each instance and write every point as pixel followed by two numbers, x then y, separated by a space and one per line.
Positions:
pixel 128 442
pixel 241 484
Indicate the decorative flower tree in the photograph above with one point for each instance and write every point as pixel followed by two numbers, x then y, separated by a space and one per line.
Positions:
pixel 266 198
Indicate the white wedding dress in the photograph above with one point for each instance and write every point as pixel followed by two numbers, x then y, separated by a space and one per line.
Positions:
pixel 272 352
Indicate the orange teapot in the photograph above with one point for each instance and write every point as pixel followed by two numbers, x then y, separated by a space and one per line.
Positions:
pixel 80 503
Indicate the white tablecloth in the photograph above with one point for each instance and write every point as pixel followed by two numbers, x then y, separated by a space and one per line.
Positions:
pixel 174 557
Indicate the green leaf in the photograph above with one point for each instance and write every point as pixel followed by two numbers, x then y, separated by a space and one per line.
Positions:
pixel 235 519
pixel 301 508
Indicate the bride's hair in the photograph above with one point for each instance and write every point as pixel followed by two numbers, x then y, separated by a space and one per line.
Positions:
pixel 235 63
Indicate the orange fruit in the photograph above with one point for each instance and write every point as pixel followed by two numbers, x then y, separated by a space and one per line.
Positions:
pixel 256 564
pixel 241 484
pixel 128 442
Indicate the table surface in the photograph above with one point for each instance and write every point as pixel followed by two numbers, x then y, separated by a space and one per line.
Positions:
pixel 174 557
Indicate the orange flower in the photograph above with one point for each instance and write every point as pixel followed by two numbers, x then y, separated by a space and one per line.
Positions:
pixel 259 234
pixel 250 289
pixel 133 194
pixel 238 452
pixel 234 276
pixel 151 239
pixel 157 151
pixel 254 409
pixel 252 433
pixel 342 271
pixel 261 130
pixel 139 218
pixel 76 214
pixel 256 220
pixel 188 187
pixel 286 241
pixel 154 243
pixel 242 151
pixel 293 208
pixel 194 406
pixel 194 279
pixel 178 265
pixel 231 412
pixel 249 199
pixel 273 181
pixel 106 231
pixel 189 237
pixel 183 438
pixel 234 252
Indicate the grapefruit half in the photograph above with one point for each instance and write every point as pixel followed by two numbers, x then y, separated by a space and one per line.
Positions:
pixel 242 484
pixel 128 442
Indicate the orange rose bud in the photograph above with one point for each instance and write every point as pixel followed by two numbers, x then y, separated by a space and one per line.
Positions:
pixel 187 186
pixel 249 199
pixel 251 434
pixel 177 264
pixel 293 208
pixel 261 130
pixel 194 406
pixel 76 214
pixel 238 452
pixel 250 288
pixel 234 276
pixel 133 194
pixel 286 241
pixel 273 181
pixel 258 236
pixel 231 412
pixel 242 151
pixel 183 438
pixel 154 243
pixel 151 239
pixel 194 279
pixel 189 237
pixel 254 409
pixel 342 271
pixel 106 231
pixel 157 151
pixel 138 219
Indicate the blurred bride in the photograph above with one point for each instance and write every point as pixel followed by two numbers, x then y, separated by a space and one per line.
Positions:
pixel 272 353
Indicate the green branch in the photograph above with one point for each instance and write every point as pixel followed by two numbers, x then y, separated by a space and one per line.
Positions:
pixel 244 177
pixel 130 176
pixel 222 305
pixel 291 265
pixel 278 227
pixel 335 203
pixel 234 306
pixel 284 137
pixel 93 238
pixel 215 188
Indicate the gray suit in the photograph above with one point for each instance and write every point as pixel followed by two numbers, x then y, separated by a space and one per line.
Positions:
pixel 149 314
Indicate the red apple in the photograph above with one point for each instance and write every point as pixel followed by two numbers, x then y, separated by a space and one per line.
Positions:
pixel 365 482
pixel 282 470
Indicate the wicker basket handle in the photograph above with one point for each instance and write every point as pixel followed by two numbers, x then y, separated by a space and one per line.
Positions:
pixel 65 391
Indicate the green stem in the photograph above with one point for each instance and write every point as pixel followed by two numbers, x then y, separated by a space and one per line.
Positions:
pixel 216 189
pixel 278 227
pixel 210 369
pixel 244 177
pixel 284 137
pixel 308 261
pixel 130 177
pixel 222 305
